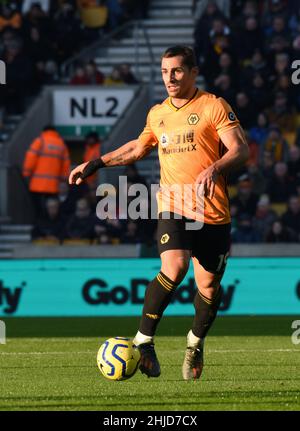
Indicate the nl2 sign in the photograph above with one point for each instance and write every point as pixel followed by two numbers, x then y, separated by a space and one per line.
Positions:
pixel 90 107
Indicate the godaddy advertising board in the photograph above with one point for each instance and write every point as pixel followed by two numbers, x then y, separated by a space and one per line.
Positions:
pixel 115 287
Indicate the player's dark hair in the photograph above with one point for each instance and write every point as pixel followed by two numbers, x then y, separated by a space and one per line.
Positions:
pixel 188 54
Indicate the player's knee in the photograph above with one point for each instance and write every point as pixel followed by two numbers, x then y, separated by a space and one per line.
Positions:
pixel 209 284
pixel 176 270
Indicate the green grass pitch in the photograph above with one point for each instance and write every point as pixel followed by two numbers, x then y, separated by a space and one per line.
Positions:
pixel 50 364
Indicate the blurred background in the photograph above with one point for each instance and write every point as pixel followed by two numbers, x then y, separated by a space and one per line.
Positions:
pixel 81 77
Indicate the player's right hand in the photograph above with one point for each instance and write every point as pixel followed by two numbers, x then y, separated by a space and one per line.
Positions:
pixel 75 175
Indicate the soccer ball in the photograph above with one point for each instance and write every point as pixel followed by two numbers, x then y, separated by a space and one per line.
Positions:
pixel 118 358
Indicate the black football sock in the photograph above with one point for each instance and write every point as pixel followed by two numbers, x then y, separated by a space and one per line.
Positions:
pixel 206 311
pixel 157 297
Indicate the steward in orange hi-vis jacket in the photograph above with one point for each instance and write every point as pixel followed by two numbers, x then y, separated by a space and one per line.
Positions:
pixel 47 162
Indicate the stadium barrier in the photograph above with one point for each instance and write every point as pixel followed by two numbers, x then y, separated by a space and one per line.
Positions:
pixel 115 287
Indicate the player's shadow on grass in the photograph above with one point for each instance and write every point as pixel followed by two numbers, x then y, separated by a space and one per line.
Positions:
pixel 127 326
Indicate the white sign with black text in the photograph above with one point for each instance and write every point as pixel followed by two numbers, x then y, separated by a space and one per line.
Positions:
pixel 90 106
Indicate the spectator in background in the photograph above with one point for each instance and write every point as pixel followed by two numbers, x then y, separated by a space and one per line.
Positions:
pixel 19 77
pixel 79 77
pixel 245 233
pixel 39 51
pixel 282 114
pixel 277 44
pixel 9 18
pixel 109 230
pixel 134 9
pixel 245 200
pixel 259 132
pixel 297 187
pixel 244 110
pixel 227 65
pixel 131 233
pixel 92 151
pixel 257 178
pixel 291 218
pixel 264 217
pixel 51 225
pixel 219 41
pixel 37 47
pixel 249 38
pixel 81 225
pixel 93 75
pixel 283 84
pixel 282 64
pixel 46 164
pixel 47 73
pixel 115 13
pixel 274 8
pixel 253 152
pixel 204 25
pixel 243 10
pixel 294 162
pixel 67 200
pixel 210 9
pixel 234 217
pixel 259 93
pixel 280 186
pixel 279 233
pixel 276 145
pixel 222 87
pixel 114 78
pixel 67 32
pixel 267 167
pixel 278 29
pixel 126 74
pixel 36 17
pixel 133 175
pixel 257 65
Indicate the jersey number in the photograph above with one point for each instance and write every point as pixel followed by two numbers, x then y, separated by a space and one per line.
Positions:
pixel 222 261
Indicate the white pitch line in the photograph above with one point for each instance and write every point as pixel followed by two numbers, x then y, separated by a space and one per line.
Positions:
pixel 47 353
pixel 208 351
pixel 252 350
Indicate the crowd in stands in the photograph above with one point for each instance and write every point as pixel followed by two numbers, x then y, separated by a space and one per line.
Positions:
pixel 245 52
pixel 245 55
pixel 36 37
pixel 66 213
pixel 89 74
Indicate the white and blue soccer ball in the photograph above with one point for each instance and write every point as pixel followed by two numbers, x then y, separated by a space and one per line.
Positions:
pixel 118 358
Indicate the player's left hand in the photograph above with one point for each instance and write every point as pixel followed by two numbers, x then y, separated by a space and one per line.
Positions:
pixel 208 179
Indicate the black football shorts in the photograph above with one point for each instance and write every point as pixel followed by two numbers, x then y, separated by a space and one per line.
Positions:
pixel 210 244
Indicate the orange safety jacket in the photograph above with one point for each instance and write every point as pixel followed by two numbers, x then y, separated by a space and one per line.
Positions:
pixel 47 163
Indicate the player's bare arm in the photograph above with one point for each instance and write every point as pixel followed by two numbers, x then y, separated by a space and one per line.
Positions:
pixel 124 155
pixel 237 154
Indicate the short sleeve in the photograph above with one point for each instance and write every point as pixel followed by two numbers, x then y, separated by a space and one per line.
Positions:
pixel 222 116
pixel 147 137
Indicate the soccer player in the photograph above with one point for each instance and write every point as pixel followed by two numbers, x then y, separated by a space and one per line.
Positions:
pixel 199 141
